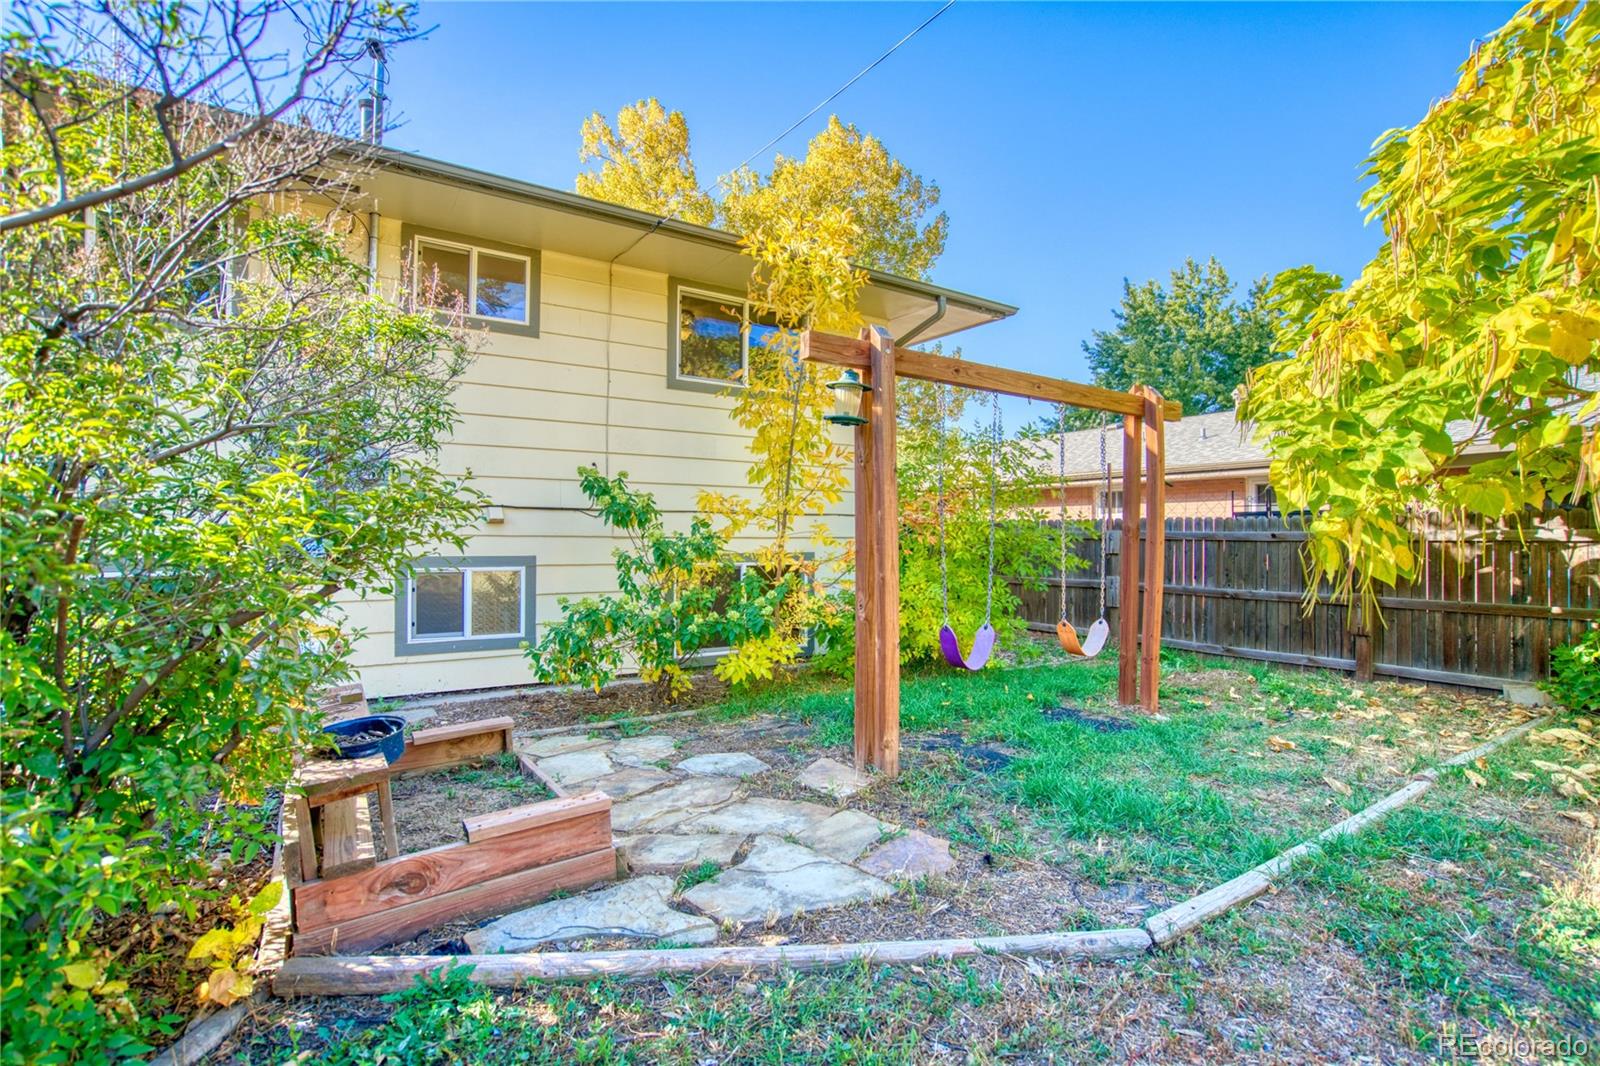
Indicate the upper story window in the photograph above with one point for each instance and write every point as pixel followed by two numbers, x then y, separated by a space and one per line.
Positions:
pixel 495 285
pixel 709 340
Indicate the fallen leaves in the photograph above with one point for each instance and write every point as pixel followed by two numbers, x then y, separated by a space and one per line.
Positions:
pixel 1337 785
pixel 1562 735
pixel 1477 779
pixel 1277 743
pixel 1583 818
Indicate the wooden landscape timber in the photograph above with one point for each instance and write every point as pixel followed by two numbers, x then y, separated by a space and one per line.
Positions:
pixel 450 745
pixel 509 859
pixel 877 515
pixel 372 975
pixel 375 975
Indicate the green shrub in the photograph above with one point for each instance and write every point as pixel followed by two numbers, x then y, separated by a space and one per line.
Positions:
pixel 676 596
pixel 1575 673
pixel 194 458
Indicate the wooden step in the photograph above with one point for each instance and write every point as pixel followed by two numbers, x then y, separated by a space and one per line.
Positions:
pixel 347 837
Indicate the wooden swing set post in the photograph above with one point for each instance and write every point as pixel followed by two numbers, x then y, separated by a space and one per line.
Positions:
pixel 1128 562
pixel 877 517
pixel 1155 548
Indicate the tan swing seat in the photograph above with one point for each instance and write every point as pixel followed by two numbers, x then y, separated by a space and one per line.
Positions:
pixel 1092 643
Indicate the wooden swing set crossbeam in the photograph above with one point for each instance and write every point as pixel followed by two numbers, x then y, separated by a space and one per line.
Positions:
pixel 877 522
pixel 856 354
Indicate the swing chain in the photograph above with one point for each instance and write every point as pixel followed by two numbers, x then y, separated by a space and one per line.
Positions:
pixel 994 488
pixel 1105 519
pixel 1061 471
pixel 944 576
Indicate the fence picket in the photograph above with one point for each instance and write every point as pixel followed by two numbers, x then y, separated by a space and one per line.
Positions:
pixel 1487 605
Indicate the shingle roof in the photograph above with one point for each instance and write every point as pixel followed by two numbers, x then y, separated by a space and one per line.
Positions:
pixel 1212 441
pixel 1195 444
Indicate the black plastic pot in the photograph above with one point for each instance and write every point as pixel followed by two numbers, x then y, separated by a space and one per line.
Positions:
pixel 391 745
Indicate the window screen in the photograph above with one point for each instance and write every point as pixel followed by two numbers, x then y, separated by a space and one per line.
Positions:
pixel 439 600
pixel 496 602
pixel 444 275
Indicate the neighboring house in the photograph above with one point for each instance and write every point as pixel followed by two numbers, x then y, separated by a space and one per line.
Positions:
pixel 1214 469
pixel 611 336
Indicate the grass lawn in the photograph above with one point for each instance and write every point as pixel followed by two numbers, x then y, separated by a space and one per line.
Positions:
pixel 1478 908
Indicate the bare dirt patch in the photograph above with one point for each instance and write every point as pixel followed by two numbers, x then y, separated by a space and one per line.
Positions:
pixel 429 807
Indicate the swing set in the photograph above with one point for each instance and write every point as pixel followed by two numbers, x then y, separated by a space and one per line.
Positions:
pixel 871 365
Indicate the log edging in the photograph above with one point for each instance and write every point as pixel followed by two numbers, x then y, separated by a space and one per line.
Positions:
pixel 381 974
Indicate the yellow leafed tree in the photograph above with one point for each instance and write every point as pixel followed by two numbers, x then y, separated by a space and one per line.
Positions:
pixel 644 163
pixel 812 225
pixel 1480 312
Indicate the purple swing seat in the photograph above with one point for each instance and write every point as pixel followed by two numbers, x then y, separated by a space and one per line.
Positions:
pixel 982 647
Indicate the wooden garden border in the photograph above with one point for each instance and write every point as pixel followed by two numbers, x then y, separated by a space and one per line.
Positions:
pixel 380 974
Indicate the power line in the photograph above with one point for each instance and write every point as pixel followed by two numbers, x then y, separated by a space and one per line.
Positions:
pixel 840 90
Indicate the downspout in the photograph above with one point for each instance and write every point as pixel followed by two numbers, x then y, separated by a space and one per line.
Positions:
pixel 611 283
pixel 372 118
pixel 373 219
pixel 922 327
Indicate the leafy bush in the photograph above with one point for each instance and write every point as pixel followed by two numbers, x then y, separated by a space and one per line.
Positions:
pixel 1575 673
pixel 676 597
pixel 209 424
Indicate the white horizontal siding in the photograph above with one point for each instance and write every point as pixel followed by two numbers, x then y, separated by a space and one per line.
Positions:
pixel 591 389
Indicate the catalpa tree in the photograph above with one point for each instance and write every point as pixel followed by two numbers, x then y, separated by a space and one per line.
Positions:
pixel 1481 309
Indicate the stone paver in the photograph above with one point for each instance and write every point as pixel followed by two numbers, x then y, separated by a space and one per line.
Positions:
pixel 914 855
pixel 757 815
pixel 670 853
pixel 636 908
pixel 665 807
pixel 631 781
pixel 642 751
pixel 833 778
pixel 723 764
pixel 575 767
pixel 844 836
pixel 560 744
pixel 780 880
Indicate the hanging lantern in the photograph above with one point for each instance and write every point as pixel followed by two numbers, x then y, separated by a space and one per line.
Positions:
pixel 847 393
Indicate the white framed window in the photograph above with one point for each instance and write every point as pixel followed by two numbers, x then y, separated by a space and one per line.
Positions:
pixel 1261 496
pixel 474 604
pixel 1110 503
pixel 481 283
pixel 709 338
pixel 494 285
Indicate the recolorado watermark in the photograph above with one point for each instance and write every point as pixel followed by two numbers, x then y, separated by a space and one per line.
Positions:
pixel 1515 1045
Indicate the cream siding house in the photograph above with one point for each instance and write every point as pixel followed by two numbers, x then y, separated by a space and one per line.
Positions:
pixel 578 365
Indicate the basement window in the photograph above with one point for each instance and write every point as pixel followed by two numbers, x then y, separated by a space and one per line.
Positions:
pixel 478 604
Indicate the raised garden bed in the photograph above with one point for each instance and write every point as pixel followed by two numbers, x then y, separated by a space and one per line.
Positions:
pixel 345 898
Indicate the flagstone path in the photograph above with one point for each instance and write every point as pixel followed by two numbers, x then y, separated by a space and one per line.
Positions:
pixel 772 858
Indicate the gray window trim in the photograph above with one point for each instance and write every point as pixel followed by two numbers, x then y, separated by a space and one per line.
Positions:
pixel 404 645
pixel 693 384
pixel 408 245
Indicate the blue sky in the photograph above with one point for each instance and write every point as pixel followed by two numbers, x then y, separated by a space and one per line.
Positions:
pixel 1075 145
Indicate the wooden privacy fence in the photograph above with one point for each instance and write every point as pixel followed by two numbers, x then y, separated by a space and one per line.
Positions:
pixel 1487 607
